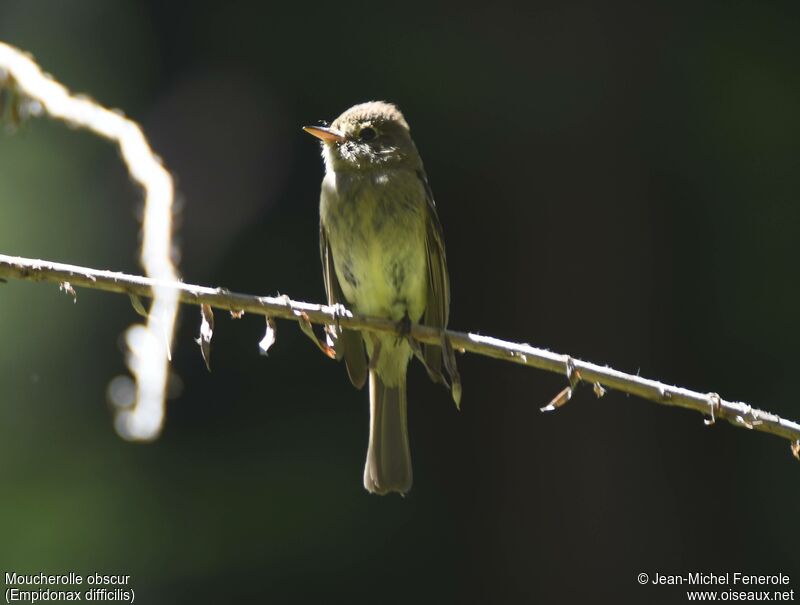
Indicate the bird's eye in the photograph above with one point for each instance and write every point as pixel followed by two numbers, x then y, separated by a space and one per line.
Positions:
pixel 367 134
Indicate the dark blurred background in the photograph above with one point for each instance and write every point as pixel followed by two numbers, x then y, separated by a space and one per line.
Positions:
pixel 617 182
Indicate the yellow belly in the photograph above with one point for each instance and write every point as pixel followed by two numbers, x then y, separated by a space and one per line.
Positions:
pixel 376 228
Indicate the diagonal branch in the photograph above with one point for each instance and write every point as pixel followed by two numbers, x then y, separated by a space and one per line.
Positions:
pixel 710 404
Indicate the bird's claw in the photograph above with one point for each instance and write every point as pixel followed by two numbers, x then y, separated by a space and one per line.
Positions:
pixel 404 327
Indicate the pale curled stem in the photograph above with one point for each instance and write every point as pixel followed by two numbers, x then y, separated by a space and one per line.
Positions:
pixel 148 345
pixel 737 413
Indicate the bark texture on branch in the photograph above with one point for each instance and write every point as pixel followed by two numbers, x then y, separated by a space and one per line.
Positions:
pixel 576 371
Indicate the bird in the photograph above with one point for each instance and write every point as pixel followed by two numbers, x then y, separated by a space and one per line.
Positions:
pixel 383 255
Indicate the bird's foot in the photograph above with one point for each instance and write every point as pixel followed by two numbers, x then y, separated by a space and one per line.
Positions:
pixel 404 327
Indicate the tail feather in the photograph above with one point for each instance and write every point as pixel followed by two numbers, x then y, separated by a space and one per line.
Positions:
pixel 388 467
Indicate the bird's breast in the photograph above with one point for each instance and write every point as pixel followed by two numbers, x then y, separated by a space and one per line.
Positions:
pixel 375 222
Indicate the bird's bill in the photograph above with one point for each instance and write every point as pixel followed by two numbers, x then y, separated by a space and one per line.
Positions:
pixel 324 133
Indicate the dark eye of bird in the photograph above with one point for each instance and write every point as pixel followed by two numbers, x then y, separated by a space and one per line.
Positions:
pixel 367 134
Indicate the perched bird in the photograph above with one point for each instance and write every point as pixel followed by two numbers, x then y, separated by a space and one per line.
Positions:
pixel 382 255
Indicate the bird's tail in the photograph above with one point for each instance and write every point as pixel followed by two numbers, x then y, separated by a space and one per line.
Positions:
pixel 388 467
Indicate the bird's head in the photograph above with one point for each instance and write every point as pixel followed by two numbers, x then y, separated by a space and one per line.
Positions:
pixel 367 136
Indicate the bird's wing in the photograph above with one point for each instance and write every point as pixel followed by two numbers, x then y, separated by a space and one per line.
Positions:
pixel 437 309
pixel 349 345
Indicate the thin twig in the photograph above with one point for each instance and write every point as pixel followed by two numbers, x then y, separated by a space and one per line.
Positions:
pixel 149 345
pixel 710 404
